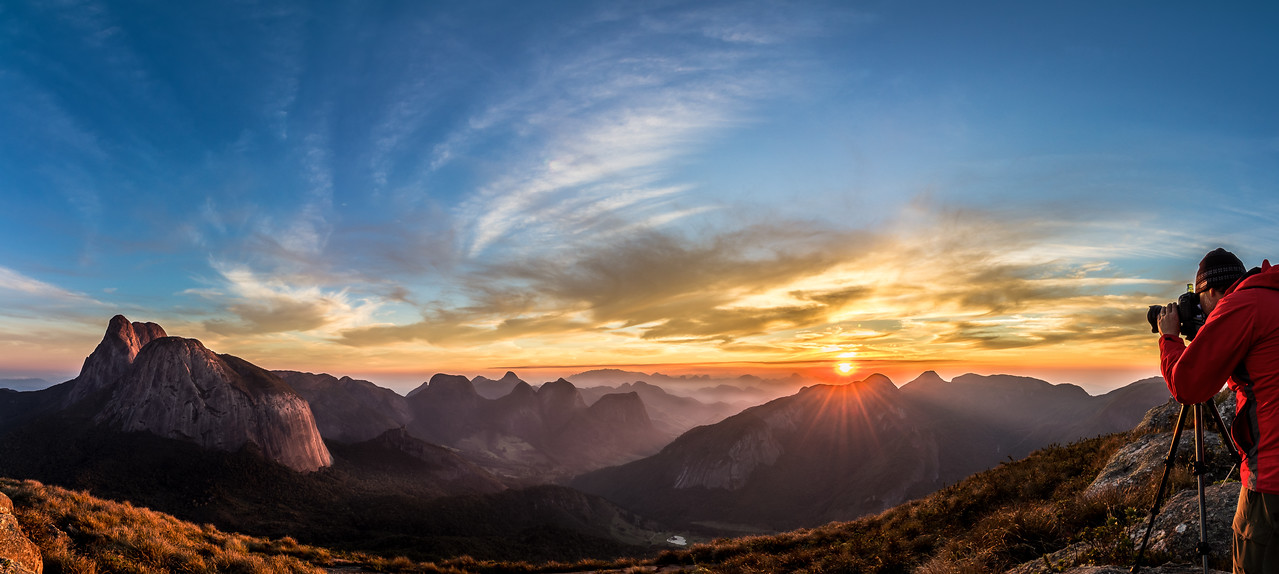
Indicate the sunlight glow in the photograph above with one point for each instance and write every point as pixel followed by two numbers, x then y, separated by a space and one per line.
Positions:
pixel 844 368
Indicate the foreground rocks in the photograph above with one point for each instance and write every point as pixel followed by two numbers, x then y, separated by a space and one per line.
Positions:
pixel 18 555
pixel 1187 569
pixel 1141 461
pixel 1176 529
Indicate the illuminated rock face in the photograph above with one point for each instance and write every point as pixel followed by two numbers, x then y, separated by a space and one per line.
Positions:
pixel 113 356
pixel 176 388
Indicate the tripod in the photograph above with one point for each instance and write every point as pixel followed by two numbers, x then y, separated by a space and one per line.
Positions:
pixel 1200 469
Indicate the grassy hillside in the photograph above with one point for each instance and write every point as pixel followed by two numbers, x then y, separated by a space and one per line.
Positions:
pixel 369 501
pixel 81 534
pixel 1017 512
pixel 992 521
pixel 78 533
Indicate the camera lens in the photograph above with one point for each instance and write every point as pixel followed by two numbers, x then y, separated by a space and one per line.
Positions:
pixel 1152 315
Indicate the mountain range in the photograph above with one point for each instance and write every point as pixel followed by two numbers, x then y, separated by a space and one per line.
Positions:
pixel 164 422
pixel 167 422
pixel 839 452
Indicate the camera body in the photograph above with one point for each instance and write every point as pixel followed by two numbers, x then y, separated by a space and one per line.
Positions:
pixel 1189 314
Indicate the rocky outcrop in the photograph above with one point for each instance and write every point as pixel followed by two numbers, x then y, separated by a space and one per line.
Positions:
pixel 1176 530
pixel 1142 460
pixel 177 388
pixel 1138 465
pixel 1038 567
pixel 18 555
pixel 113 356
pixel 1176 534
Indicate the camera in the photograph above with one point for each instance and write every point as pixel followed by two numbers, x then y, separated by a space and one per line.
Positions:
pixel 1189 315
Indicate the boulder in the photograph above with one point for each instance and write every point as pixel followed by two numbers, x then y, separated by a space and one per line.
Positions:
pixel 18 554
pixel 1141 461
pixel 1176 530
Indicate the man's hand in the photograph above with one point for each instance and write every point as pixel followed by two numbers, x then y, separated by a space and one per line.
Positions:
pixel 1169 321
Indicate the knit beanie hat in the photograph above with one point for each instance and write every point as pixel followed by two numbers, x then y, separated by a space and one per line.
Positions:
pixel 1219 269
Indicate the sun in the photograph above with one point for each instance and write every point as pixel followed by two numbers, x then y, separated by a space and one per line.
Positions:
pixel 844 368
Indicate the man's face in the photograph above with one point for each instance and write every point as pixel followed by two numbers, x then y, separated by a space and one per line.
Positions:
pixel 1208 299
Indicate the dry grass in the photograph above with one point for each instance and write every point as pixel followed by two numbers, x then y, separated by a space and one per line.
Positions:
pixel 992 521
pixel 1018 512
pixel 80 534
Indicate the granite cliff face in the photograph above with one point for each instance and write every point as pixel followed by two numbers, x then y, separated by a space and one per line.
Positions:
pixel 176 388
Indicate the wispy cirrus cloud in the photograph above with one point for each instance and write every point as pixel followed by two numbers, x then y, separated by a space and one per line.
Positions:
pixel 262 305
pixel 600 133
pixel 19 285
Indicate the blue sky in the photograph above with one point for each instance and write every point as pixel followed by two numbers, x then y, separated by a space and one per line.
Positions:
pixel 391 189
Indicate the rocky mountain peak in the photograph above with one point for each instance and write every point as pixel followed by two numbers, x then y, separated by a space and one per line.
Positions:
pixel 113 356
pixel 177 388
pixel 141 379
pixel 510 377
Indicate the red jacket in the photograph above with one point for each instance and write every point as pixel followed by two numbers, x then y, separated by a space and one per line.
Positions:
pixel 1240 340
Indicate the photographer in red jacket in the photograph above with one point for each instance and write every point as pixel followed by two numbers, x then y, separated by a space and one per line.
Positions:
pixel 1240 341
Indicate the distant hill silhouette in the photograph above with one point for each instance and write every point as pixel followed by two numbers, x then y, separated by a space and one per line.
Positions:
pixel 548 431
pixel 672 415
pixel 741 391
pixel 491 389
pixel 349 410
pixel 25 384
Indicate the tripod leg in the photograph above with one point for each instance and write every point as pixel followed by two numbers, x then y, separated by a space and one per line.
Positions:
pixel 1225 434
pixel 1200 471
pixel 1163 486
